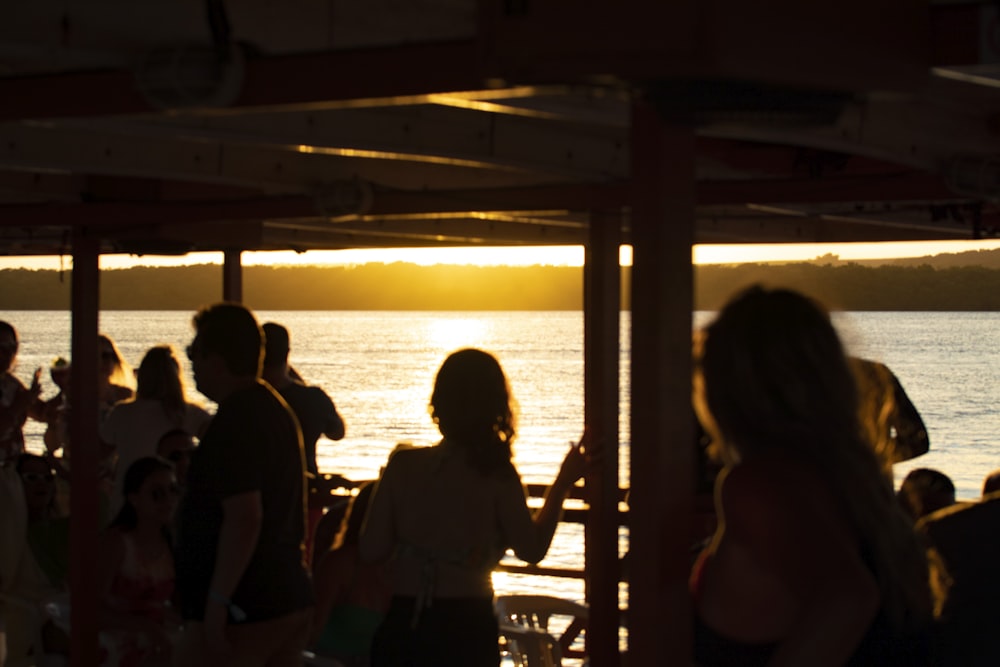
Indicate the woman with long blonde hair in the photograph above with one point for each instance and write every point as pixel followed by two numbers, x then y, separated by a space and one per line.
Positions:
pixel 813 562
pixel 133 428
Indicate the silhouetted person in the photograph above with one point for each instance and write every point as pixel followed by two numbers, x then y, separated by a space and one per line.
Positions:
pixel 446 514
pixel 315 410
pixel 967 537
pixel 16 400
pixel 134 427
pixel 991 483
pixel 245 594
pixel 813 563
pixel 924 491
pixel 896 428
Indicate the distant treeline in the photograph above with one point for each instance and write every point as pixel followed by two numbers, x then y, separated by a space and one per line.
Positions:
pixel 403 286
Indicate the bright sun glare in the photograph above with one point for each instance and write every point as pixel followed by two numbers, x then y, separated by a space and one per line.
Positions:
pixel 451 333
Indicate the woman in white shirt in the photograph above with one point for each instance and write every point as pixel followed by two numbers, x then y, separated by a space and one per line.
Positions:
pixel 134 427
pixel 446 514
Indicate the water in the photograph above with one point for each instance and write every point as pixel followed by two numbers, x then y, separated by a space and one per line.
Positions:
pixel 379 369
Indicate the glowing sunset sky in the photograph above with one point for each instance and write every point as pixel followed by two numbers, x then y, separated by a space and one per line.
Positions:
pixel 520 256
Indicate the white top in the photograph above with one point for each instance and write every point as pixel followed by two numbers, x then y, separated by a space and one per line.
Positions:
pixel 134 428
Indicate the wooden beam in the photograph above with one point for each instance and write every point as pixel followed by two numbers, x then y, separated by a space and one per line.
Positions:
pixel 349 77
pixel 662 469
pixel 602 310
pixel 83 447
pixel 232 276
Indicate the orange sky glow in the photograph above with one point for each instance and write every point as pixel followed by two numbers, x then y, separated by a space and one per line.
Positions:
pixel 521 256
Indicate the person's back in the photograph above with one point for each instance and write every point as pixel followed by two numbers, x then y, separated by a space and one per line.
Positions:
pixel 317 416
pixel 444 515
pixel 250 444
pixel 812 563
pixel 967 537
pixel 312 406
pixel 432 483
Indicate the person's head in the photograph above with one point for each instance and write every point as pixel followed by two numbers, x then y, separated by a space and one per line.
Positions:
pixel 159 378
pixel 228 345
pixel 350 526
pixel 177 446
pixel 471 405
pixel 276 344
pixel 8 346
pixel 991 483
pixel 111 363
pixel 771 373
pixel 39 482
pixel 150 492
pixel 59 372
pixel 925 490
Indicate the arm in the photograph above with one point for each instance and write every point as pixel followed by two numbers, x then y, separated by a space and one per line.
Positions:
pixel 530 536
pixel 334 427
pixel 241 520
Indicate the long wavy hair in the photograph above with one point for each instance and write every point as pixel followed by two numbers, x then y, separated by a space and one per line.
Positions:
pixel 773 377
pixel 472 406
pixel 121 372
pixel 159 378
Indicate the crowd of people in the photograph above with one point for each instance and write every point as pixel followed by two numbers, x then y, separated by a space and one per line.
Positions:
pixel 811 557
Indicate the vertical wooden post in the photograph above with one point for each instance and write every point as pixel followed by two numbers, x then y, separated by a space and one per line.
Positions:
pixel 232 276
pixel 601 332
pixel 84 450
pixel 662 472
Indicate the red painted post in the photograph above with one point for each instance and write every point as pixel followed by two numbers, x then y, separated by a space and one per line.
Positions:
pixel 84 448
pixel 601 314
pixel 232 277
pixel 662 234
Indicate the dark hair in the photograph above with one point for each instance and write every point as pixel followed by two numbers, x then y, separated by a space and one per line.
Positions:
pixel 135 477
pixel 9 328
pixel 471 405
pixel 276 343
pixel 231 331
pixel 925 490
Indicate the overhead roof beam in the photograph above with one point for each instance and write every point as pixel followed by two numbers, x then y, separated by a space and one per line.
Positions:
pixel 316 80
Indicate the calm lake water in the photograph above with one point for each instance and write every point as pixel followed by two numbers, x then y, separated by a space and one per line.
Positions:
pixel 379 369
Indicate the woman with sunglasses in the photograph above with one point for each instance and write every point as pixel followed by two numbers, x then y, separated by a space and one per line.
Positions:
pixel 137 569
pixel 16 400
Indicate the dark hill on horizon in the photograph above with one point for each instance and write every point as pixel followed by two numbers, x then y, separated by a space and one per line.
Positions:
pixel 954 281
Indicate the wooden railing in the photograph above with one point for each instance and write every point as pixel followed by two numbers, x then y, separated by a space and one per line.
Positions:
pixel 329 490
